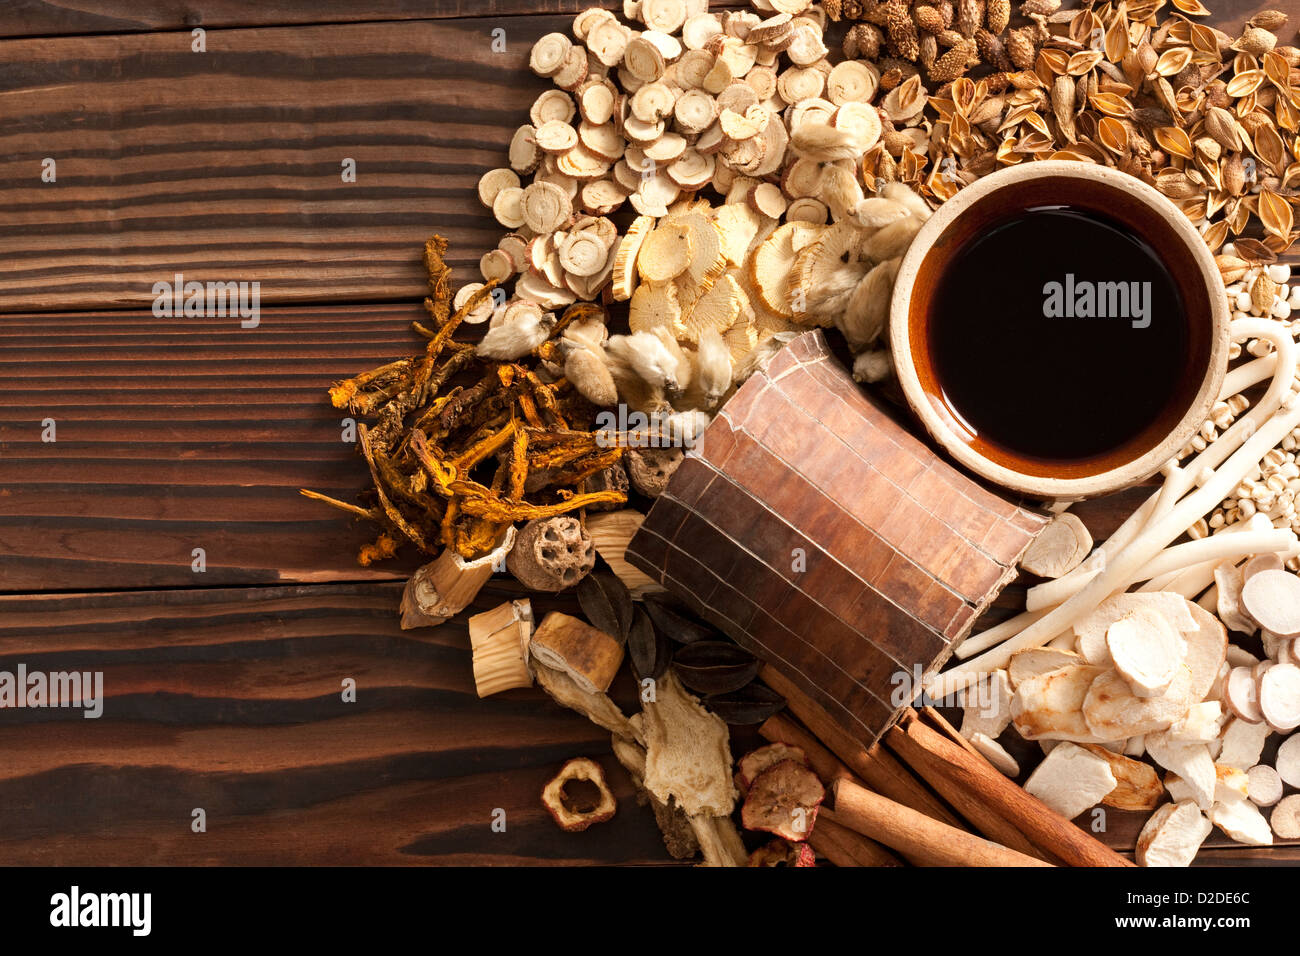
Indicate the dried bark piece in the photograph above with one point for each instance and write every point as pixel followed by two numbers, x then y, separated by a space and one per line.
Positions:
pixel 687 754
pixel 573 816
pixel 589 656
pixel 551 554
pixel 1059 549
pixel 1173 835
pixel 499 641
pixel 1273 599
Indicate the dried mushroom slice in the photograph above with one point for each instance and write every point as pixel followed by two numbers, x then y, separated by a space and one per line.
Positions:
pixel 571 810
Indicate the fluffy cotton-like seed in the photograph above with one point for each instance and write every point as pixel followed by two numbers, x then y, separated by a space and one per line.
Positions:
pixel 586 369
pixel 892 241
pixel 822 142
pixel 713 371
pixel 872 367
pixel 515 339
pixel 905 195
pixel 876 212
pixel 682 370
pixel 762 353
pixel 648 357
pixel 867 310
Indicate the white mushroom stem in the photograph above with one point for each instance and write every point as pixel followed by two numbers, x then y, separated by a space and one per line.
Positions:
pixel 996 634
pixel 1156 536
pixel 1217 548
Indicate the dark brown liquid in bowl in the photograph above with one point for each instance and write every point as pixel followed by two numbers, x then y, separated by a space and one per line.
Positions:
pixel 1020 369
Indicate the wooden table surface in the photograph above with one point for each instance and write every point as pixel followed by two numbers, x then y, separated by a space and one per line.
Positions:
pixel 224 686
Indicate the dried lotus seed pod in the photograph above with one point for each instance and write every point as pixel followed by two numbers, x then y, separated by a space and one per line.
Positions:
pixel 551 554
pixel 613 478
pixel 650 469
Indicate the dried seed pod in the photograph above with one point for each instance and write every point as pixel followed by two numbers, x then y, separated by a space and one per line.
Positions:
pixel 606 602
pixel 970 15
pixel 715 667
pixel 647 647
pixel 551 554
pixel 675 621
pixel 863 41
pixel 928 18
pixel 950 66
pixel 650 469
pixel 1021 48
pixel 752 704
pixel 903 38
pixel 998 15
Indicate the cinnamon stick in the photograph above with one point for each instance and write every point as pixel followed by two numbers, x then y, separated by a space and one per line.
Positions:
pixel 781 729
pixel 968 803
pixel 1044 827
pixel 877 767
pixel 914 834
pixel 843 847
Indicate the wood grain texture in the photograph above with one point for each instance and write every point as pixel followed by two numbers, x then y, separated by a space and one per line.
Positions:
pixel 176 434
pixel 226 165
pixel 230 700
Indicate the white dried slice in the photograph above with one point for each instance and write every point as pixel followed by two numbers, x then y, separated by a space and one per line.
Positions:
pixel 596 103
pixel 861 122
pixel 546 207
pixel 806 46
pixel 792 7
pixel 1243 742
pixel 707 261
pixel 772 264
pixel 516 247
pixel 669 47
pixel 996 754
pixel 508 207
pixel 853 81
pixel 602 196
pixel 552 106
pixel 693 68
pixel 762 80
pixel 522 310
pixel 666 253
pixel 546 261
pixel 1172 835
pixel 1065 542
pixel 654 307
pixel 1273 599
pixel 603 141
pixel 1071 779
pixel 717 308
pixel 1279 697
pixel 1241 694
pixel 1146 651
pixel 1263 785
pixel 1137 785
pixel 718 78
pixel 736 126
pixel 643 60
pixel 588 20
pixel 652 104
pixel 1240 657
pixel 1190 761
pixel 666 149
pixel 773 29
pixel 1228 579
pixel 739 56
pixel 655 194
pixel 524 154
pixel 700 29
pixel 1261 562
pixel 694 111
pixel 1288 760
pixel 768 199
pixel 1201 724
pixel 1285 819
pixel 1242 821
pixel 495 264
pixel 481 312
pixel 556 136
pixel 797 84
pixel 1038 660
pixel 582 163
pixel 807 210
pixel 608 41
pixel 986 707
pixel 1273 645
pixel 691 170
pixel 737 226
pixel 803 179
pixel 665 15
pixel 1289 652
pixel 641 132
pixel 534 287
pixel 583 254
pixel 711 141
pixel 573 72
pixel 493 181
pixel 548 54
pixel 1090 633
pixel 1049 706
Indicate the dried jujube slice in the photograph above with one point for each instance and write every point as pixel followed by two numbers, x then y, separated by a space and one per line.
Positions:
pixel 570 813
pixel 783 800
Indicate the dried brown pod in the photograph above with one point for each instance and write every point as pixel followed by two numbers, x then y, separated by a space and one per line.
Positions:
pixel 647 647
pixel 715 667
pixel 752 704
pixel 551 554
pixel 605 601
pixel 675 621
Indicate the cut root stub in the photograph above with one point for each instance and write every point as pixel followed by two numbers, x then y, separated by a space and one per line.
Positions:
pixel 573 810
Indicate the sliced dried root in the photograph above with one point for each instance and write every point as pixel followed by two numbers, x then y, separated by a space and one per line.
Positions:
pixel 499 640
pixel 1059 548
pixel 665 253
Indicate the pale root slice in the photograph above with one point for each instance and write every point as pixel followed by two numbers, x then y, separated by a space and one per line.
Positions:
pixel 666 150
pixel 1241 694
pixel 1050 706
pixel 666 16
pixel 1289 652
pixel 1261 562
pixel 493 181
pixel 1201 724
pixel 716 309
pixel 1146 650
pixel 525 156
pixel 581 163
pixel 552 106
pixel 768 199
pixel 694 111
pixel 536 289
pixel 654 194
pixel 1229 580
pixel 654 307
pixel 499 639
pixel 738 226
pixel 986 707
pixel 481 312
pixel 1273 599
pixel 653 103
pixel 1243 742
pixel 496 264
pixel 692 169
pixel 625 256
pixel 1038 660
pixel 1242 821
pixel 1263 785
pixel 665 43
pixel 1173 835
pixel 688 757
pixel 588 20
pixel 853 81
pixel 602 140
pixel 996 754
pixel 1190 761
pixel 707 261
pixel 545 207
pixel 607 41
pixel 596 103
pixel 807 210
pixel 771 266
pixel 1285 819
pixel 573 72
pixel 583 254
pixel 1288 761
pixel 1229 784
pixel 1090 633
pixel 1279 697
pixel 699 29
pixel 644 60
pixel 1071 779
pixel 665 253
pixel 516 247
pixel 1060 547
pixel 602 196
pixel 555 136
pixel 740 341
pixel 548 54
pixel 508 207
pixel 1137 785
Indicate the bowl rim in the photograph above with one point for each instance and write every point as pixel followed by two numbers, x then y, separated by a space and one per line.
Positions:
pixel 1112 479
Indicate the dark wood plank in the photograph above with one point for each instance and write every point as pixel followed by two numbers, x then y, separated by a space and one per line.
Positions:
pixel 226 165
pixel 176 434
pixel 230 700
